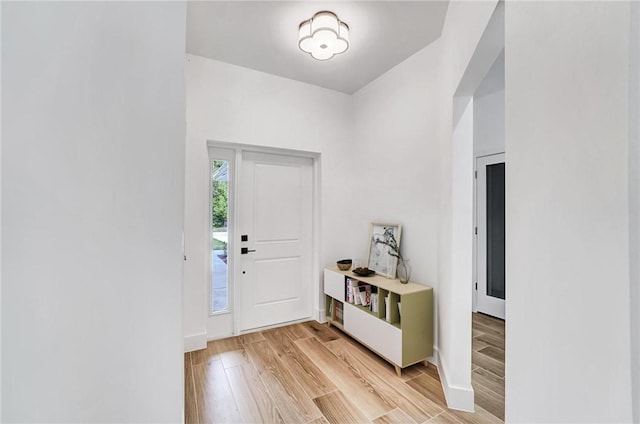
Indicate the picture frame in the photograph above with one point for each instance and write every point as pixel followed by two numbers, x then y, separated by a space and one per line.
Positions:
pixel 378 258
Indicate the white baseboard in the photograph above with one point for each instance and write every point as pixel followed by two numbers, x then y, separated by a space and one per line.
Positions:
pixel 434 358
pixel 199 341
pixel 195 342
pixel 254 330
pixel 212 337
pixel 460 398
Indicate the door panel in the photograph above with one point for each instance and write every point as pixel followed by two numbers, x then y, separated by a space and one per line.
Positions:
pixel 276 280
pixel 276 199
pixel 278 206
pixel 491 289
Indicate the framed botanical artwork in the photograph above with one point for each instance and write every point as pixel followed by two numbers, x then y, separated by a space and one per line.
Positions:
pixel 381 239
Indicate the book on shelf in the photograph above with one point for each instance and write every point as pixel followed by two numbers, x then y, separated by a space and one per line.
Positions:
pixel 374 302
pixel 373 306
pixel 352 291
pixel 338 312
pixel 364 293
pixel 387 306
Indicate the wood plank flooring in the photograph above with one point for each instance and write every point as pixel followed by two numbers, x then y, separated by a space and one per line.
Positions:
pixel 311 373
pixel 487 363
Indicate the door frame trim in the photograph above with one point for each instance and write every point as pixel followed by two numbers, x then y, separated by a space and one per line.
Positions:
pixel 474 291
pixel 317 308
pixel 223 320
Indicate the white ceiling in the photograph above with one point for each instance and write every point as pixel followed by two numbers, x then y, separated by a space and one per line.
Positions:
pixel 263 35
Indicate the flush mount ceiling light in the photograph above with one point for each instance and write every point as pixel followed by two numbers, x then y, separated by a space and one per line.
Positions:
pixel 323 36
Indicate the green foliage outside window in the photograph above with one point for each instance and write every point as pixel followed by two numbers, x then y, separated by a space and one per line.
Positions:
pixel 219 200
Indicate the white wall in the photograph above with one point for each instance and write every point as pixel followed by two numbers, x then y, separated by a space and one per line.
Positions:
pixel 568 350
pixel 464 26
pixel 233 104
pixel 395 176
pixel 0 226
pixel 399 121
pixel 488 112
pixel 488 129
pixel 462 239
pixel 92 197
pixel 634 203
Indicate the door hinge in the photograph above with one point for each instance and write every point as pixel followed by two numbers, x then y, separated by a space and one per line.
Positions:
pixel 476 230
pixel 475 174
pixel 476 285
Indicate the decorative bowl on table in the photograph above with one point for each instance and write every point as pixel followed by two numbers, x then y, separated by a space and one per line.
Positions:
pixel 363 272
pixel 344 264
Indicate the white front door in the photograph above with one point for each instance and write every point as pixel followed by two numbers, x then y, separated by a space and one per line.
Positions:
pixel 276 216
pixel 491 284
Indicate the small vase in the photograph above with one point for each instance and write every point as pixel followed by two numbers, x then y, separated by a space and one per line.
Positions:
pixel 404 271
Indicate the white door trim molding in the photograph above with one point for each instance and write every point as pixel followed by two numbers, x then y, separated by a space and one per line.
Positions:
pixel 317 307
pixel 221 323
pixel 478 155
pixel 491 306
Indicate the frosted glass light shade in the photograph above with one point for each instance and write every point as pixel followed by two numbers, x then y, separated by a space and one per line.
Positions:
pixel 305 42
pixel 323 36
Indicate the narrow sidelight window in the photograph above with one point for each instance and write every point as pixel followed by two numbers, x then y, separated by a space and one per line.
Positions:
pixel 219 236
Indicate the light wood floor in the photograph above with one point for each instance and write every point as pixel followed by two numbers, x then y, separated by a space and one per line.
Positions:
pixel 310 373
pixel 487 363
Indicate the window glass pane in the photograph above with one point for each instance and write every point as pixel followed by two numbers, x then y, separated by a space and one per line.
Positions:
pixel 495 231
pixel 219 236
